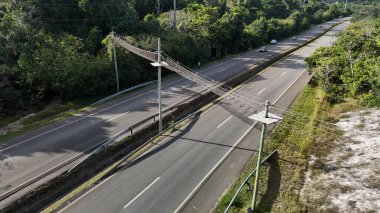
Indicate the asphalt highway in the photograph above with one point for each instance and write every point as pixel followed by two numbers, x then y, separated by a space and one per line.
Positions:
pixel 29 155
pixel 175 176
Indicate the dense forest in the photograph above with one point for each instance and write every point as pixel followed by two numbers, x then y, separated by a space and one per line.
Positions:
pixel 351 67
pixel 57 49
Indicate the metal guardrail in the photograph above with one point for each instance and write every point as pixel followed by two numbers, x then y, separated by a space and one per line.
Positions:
pixel 246 182
pixel 123 91
pixel 104 145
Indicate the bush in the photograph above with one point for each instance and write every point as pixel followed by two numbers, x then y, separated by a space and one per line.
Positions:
pixel 370 100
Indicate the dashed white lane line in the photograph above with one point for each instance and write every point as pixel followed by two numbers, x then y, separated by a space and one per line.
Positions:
pixel 117 117
pixel 222 70
pixel 133 200
pixel 225 121
pixel 261 91
pixel 282 74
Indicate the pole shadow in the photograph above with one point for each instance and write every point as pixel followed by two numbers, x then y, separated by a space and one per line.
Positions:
pixel 273 185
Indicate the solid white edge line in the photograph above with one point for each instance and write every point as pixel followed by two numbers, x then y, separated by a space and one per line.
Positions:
pixel 117 117
pixel 182 205
pixel 133 200
pixel 150 91
pixel 215 167
pixel 203 113
pixel 225 121
pixel 60 164
pixel 226 155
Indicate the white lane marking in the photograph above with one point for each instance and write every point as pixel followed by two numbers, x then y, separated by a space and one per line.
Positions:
pixel 182 205
pixel 181 79
pixel 225 121
pixel 192 193
pixel 215 167
pixel 133 200
pixel 282 74
pixel 85 194
pixel 195 189
pixel 117 117
pixel 261 91
pixel 222 70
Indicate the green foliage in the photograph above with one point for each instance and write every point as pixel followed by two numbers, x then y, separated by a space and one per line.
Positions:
pixel 60 68
pixel 350 68
pixel 364 9
pixel 294 138
pixel 60 49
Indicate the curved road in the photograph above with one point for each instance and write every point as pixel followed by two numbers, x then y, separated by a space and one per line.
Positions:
pixel 173 177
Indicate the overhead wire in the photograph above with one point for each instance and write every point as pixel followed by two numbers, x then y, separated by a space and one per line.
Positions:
pixel 210 84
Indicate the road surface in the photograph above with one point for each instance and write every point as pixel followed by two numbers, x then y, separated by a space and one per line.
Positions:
pixel 184 173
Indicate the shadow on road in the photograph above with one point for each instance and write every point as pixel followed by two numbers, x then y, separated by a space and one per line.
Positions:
pixel 166 144
pixel 217 144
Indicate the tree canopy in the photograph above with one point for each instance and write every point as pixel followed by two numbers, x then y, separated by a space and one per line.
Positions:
pixel 53 49
pixel 351 67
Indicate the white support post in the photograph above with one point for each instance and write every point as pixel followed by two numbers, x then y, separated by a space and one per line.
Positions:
pixel 115 59
pixel 159 86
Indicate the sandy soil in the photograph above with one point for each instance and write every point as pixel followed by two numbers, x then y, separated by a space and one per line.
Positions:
pixel 350 178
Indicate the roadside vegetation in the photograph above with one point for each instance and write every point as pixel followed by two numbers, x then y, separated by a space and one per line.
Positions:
pixel 319 154
pixel 55 52
pixel 281 177
pixel 362 9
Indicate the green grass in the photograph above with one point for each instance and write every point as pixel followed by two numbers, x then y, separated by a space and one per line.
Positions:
pixel 294 139
pixel 49 115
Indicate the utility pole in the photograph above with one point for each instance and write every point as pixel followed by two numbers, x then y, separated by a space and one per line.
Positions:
pixel 265 118
pixel 115 59
pixel 159 64
pixel 159 86
pixel 259 158
pixel 175 15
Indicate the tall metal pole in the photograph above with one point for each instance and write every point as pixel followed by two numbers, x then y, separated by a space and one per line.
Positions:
pixel 159 86
pixel 116 71
pixel 175 16
pixel 259 158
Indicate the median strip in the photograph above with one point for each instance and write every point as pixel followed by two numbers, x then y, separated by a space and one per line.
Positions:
pixel 48 192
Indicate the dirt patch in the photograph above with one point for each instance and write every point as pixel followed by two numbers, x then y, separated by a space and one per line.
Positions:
pixel 15 126
pixel 348 179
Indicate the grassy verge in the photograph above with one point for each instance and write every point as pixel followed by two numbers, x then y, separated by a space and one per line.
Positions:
pixel 300 134
pixel 62 111
pixel 47 116
pixel 48 192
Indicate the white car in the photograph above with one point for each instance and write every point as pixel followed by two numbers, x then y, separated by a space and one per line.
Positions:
pixel 294 38
pixel 263 49
pixel 274 41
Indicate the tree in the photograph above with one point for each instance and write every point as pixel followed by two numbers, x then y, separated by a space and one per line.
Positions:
pixel 256 32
